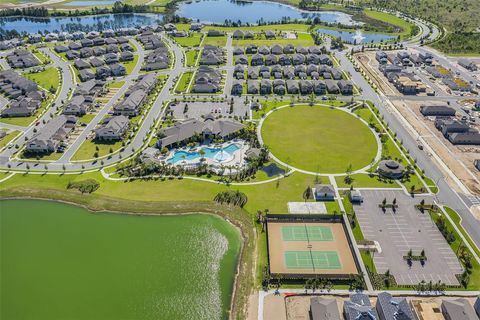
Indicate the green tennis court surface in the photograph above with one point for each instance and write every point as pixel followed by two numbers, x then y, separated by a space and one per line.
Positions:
pixel 311 259
pixel 307 233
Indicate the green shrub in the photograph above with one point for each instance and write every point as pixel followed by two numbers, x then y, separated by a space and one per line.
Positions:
pixel 84 186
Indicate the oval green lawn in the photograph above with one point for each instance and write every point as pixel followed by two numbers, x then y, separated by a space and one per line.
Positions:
pixel 319 139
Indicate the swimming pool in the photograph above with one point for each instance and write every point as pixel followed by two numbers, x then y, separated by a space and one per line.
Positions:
pixel 216 154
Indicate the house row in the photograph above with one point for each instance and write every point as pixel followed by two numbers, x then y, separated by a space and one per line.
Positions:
pixel 456 84
pixel 281 87
pixel 212 55
pixel 157 59
pixel 11 43
pixel 83 98
pixel 288 72
pixel 239 34
pixel 150 41
pixel 388 307
pixel 258 59
pixel 210 127
pixel 102 72
pixel 457 132
pixel 135 97
pixel 109 58
pixel 21 58
pixel 403 58
pixel 80 35
pixel 25 95
pixel 112 129
pixel 437 110
pixel 279 49
pixel 468 64
pixel 72 53
pixel 405 82
pixel 51 136
pixel 215 33
pixel 207 80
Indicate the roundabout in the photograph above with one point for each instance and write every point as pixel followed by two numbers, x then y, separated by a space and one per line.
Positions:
pixel 319 139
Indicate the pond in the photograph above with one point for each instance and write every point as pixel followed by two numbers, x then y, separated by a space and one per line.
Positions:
pixel 357 37
pixel 59 261
pixel 86 23
pixel 218 11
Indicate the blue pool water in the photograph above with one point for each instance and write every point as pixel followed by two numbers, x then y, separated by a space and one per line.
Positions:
pixel 350 36
pixel 209 153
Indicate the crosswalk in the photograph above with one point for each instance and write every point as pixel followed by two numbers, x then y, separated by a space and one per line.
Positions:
pixel 475 200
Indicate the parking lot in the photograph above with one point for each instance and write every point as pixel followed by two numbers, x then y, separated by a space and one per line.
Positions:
pixel 401 231
pixel 197 110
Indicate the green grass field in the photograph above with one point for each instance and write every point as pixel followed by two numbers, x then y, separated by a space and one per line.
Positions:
pixel 9 137
pixel 362 180
pixel 474 283
pixel 130 65
pixel 456 219
pixel 391 19
pixel 319 139
pixel 193 40
pixel 183 82
pixel 215 41
pixel 25 121
pixel 89 147
pixel 46 78
pixel 278 27
pixel 86 118
pixel 268 105
pixel 191 57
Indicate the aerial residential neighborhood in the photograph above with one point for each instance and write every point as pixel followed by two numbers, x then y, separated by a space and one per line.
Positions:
pixel 239 160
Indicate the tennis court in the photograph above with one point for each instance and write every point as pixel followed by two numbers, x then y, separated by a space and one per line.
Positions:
pixel 312 260
pixel 307 233
pixel 306 247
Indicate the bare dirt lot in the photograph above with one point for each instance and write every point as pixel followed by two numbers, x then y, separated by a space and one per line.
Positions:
pixel 459 159
pixel 277 248
pixel 370 66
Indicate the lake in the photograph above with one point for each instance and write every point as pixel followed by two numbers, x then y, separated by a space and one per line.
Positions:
pixel 217 11
pixel 86 23
pixel 59 261
pixel 211 11
pixel 360 37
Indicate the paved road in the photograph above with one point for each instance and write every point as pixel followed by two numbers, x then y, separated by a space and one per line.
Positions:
pixel 446 195
pixel 72 149
pixel 136 143
pixel 67 84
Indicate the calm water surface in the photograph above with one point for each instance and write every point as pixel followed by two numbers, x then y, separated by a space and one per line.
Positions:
pixel 217 11
pixel 87 23
pixel 350 37
pixel 212 11
pixel 61 262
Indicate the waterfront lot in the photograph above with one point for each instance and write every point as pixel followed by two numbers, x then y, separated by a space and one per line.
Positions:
pixel 401 231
